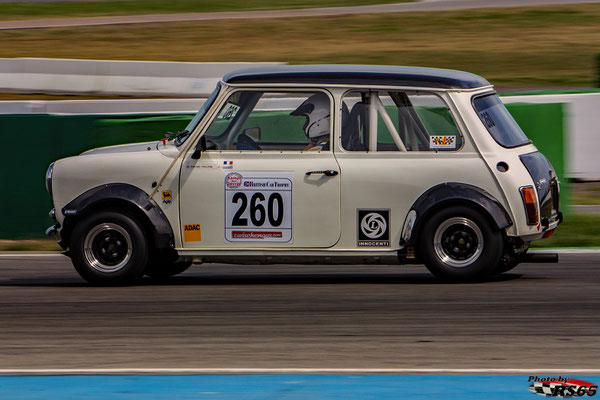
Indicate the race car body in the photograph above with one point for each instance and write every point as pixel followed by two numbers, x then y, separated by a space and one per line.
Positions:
pixel 315 164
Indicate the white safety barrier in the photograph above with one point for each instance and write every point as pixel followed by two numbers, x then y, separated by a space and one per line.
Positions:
pixel 134 78
pixel 582 130
pixel 89 107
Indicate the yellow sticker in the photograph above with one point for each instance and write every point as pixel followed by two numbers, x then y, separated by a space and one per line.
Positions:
pixel 191 233
pixel 167 196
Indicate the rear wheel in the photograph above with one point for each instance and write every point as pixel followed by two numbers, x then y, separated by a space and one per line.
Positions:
pixel 460 243
pixel 109 248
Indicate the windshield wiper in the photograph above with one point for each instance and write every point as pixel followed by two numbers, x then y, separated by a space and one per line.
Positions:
pixel 178 136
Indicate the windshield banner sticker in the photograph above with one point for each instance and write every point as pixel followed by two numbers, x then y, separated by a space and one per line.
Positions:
pixel 258 207
pixel 442 142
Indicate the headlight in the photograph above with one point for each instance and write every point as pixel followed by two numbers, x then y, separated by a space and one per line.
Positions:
pixel 49 178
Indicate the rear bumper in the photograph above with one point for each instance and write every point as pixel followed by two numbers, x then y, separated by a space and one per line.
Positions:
pixel 546 227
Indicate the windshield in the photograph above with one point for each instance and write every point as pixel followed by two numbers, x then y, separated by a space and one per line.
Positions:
pixel 198 117
pixel 498 121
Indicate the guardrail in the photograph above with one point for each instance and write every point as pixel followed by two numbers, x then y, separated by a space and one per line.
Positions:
pixel 132 78
pixel 582 130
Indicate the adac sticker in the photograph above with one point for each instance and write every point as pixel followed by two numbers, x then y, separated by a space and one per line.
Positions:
pixel 167 197
pixel 192 233
pixel 442 142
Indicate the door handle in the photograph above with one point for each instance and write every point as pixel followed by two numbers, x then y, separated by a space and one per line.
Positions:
pixel 326 172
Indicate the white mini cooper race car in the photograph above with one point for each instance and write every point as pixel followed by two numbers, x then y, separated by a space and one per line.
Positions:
pixel 315 164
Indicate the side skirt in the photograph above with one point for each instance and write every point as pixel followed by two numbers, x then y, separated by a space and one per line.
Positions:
pixel 328 257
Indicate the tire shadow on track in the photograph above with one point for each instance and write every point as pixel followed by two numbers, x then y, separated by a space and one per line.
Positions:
pixel 263 279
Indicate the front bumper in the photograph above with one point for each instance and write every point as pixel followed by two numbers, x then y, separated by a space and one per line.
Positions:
pixel 55 229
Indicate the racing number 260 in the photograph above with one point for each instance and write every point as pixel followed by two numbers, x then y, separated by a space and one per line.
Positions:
pixel 258 213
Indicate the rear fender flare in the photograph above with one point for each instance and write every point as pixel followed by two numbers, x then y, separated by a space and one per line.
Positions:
pixel 444 195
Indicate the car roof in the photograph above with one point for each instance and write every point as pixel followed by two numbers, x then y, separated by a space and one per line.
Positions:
pixel 358 75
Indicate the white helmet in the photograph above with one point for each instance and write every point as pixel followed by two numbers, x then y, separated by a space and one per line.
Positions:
pixel 316 111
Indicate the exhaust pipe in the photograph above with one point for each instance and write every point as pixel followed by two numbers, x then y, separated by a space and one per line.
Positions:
pixel 534 257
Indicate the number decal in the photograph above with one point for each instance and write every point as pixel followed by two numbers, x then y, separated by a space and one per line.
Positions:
pixel 258 207
pixel 275 217
pixel 237 218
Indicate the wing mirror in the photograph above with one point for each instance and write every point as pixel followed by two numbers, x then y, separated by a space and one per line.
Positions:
pixel 253 133
pixel 201 146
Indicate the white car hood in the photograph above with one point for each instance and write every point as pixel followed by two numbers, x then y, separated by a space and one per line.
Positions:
pixel 123 148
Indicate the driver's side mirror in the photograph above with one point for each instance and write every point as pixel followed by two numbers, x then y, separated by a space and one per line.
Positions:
pixel 201 146
pixel 253 133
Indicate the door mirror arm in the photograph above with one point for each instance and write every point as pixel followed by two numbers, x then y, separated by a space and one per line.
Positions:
pixel 202 146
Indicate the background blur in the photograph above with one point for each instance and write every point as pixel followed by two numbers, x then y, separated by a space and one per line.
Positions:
pixel 543 59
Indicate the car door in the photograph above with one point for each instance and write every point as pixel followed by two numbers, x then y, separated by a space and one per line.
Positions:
pixel 260 186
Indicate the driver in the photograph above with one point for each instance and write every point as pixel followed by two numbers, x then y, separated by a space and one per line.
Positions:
pixel 316 110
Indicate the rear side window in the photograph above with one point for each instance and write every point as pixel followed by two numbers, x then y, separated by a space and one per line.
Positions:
pixel 498 121
pixel 397 121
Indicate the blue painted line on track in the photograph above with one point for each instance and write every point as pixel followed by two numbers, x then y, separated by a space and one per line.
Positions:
pixel 286 387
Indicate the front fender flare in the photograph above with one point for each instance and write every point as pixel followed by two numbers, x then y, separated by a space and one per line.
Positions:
pixel 120 195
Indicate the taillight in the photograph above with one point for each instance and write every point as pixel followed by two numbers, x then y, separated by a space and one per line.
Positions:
pixel 530 203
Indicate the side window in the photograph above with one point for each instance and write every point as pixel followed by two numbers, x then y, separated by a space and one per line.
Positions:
pixel 255 120
pixel 397 121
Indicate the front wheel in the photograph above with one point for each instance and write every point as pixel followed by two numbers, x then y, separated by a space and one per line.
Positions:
pixel 161 269
pixel 460 243
pixel 109 248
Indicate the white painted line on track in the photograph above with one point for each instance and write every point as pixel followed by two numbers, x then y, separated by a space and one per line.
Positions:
pixel 109 371
pixel 18 254
pixel 564 251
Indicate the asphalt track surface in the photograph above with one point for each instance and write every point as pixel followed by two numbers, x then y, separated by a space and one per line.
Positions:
pixel 427 5
pixel 542 316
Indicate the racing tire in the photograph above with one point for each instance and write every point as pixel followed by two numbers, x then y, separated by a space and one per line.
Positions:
pixel 109 248
pixel 505 267
pixel 459 243
pixel 165 269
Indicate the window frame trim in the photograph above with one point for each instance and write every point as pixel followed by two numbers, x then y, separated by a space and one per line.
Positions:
pixel 272 89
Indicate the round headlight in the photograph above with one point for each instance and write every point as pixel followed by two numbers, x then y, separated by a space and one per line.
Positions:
pixel 49 178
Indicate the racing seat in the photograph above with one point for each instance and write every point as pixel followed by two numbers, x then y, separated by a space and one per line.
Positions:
pixel 351 127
